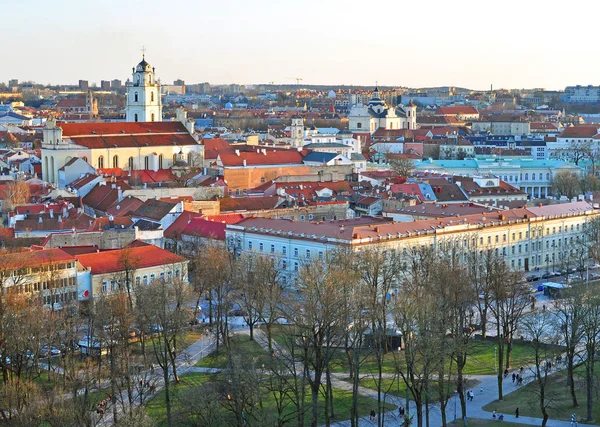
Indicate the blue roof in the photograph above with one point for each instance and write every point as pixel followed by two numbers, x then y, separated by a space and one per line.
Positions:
pixel 328 131
pixel 487 163
pixel 315 156
pixel 427 192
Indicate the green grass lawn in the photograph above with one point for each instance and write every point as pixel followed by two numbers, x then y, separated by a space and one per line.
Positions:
pixel 342 402
pixel 481 360
pixel 557 393
pixel 479 422
pixel 397 387
pixel 240 344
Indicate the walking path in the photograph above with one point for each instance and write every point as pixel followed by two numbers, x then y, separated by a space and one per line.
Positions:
pixel 485 392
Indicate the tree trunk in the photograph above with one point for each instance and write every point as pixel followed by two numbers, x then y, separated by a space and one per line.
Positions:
pixel 570 377
pixel 314 419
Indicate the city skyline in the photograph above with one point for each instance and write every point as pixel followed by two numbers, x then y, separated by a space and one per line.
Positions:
pixel 327 43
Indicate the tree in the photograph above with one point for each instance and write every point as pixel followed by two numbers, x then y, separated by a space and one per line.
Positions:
pixel 589 183
pixel 569 310
pixel 402 166
pixel 565 183
pixel 166 314
pixel 579 151
pixel 539 327
pixel 590 327
pixel 510 297
pixel 128 263
pixel 15 193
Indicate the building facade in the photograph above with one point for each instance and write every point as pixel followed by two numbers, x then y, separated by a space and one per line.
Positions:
pixel 143 95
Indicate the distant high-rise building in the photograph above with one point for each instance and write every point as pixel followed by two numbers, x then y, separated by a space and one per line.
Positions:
pixel 84 85
pixel 116 84
pixel 178 82
pixel 105 84
pixel 13 83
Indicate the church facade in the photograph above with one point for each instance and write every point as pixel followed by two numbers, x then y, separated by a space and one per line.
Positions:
pixel 142 142
pixel 378 115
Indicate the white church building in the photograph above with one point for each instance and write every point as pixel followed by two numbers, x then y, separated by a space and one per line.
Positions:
pixel 378 115
pixel 142 142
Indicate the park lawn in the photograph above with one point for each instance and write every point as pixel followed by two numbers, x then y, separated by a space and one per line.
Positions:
pixel 480 422
pixel 342 402
pixel 557 391
pixel 481 360
pixel 189 337
pixel 240 344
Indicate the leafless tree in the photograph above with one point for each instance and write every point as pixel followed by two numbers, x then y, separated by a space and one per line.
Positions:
pixel 590 327
pixel 15 193
pixel 565 183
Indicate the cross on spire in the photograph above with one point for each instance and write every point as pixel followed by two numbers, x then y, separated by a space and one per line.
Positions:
pixel 143 52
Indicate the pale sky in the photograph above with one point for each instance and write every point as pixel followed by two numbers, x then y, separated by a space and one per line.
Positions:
pixel 415 43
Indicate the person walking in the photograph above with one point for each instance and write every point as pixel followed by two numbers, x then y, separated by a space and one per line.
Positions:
pixel 517 413
pixel 480 389
pixel 514 376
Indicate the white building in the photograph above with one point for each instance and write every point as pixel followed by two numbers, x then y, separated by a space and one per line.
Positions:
pixel 538 238
pixel 143 95
pixel 377 114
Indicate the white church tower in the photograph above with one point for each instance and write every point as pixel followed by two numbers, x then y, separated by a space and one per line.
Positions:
pixel 297 131
pixel 143 95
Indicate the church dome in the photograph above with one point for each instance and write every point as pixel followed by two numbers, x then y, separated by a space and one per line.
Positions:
pixel 229 106
pixel 143 66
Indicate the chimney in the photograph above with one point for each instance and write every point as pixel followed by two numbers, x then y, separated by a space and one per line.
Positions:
pixel 114 186
pixel 59 219
pixel 111 221
pixel 342 228
pixel 237 153
pixel 51 213
pixel 244 162
pixel 119 194
pixel 264 151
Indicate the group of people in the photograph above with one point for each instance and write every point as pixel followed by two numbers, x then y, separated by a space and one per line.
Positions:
pixel 102 405
pixel 500 417
pixel 470 395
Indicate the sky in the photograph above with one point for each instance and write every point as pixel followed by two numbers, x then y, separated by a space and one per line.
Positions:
pixel 469 43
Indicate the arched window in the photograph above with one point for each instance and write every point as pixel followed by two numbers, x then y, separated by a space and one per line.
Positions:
pixel 136 97
pixel 101 162
pixel 130 163
pixel 160 160
pixel 533 176
pixel 136 117
pixel 526 176
pixel 151 96
pixel 115 161
pixel 152 117
pixel 146 163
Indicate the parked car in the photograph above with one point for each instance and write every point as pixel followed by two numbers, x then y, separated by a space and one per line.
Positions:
pixel 594 266
pixel 47 351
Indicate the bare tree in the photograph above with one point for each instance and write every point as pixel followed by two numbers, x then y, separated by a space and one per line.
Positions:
pixel 590 327
pixel 540 328
pixel 15 193
pixel 565 183
pixel 402 166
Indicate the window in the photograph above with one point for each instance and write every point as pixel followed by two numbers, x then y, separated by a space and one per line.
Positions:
pixel 520 235
pixel 177 273
pixel 296 266
pixel 296 252
pixel 115 161
pixel 496 238
pixel 284 250
pixel 489 240
pixel 250 245
pixel 152 117
pixel 504 237
pixel 152 99
pixel 284 264
pixel 302 217
pixel 152 277
pixel 130 163
pixel 263 180
pixel 526 176
pixel 272 249
pixel 112 285
pixel 146 163
pixel 137 280
pixel 320 255
pixel 100 162
pixel 160 160
pixel 135 98
pixel 145 279
pixel 162 275
pixel 260 247
pixel 105 286
pixel 308 253
pixel 310 217
pixel 135 118
pixel 359 126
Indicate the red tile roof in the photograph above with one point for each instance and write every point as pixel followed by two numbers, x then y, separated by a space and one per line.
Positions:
pixel 124 207
pixel 457 110
pixel 175 229
pixel 200 227
pixel 100 223
pixel 582 131
pixel 269 157
pixel 233 204
pixel 121 128
pixel 144 257
pixel 31 258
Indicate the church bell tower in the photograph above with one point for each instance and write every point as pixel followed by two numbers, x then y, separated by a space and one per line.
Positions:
pixel 143 95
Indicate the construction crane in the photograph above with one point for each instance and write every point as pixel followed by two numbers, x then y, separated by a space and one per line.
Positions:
pixel 298 79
